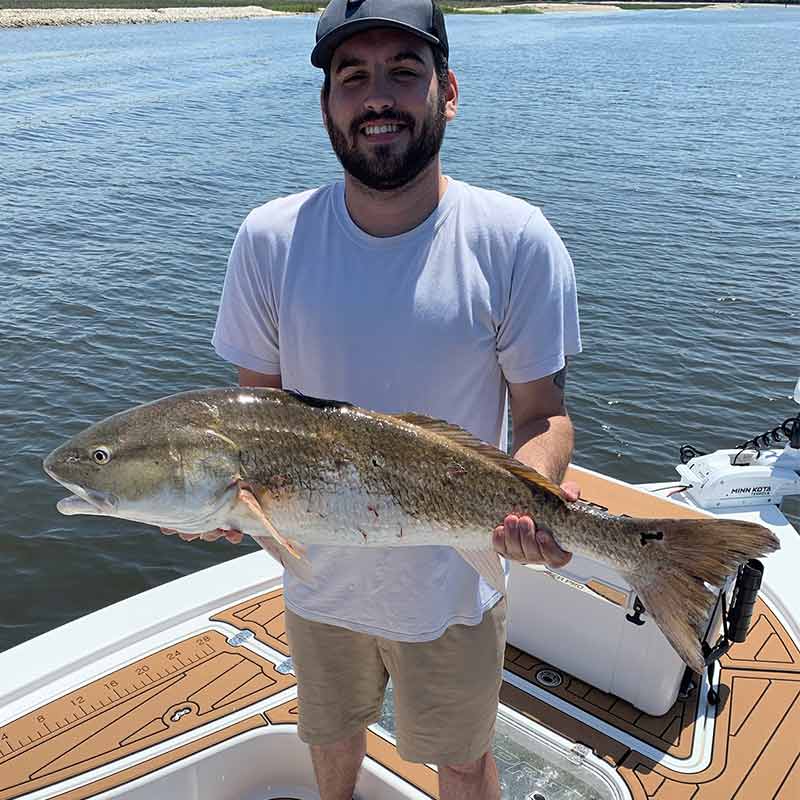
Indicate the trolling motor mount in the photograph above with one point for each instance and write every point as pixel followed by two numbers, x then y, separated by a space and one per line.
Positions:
pixel 736 620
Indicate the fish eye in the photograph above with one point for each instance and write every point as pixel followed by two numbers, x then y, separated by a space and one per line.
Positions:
pixel 101 455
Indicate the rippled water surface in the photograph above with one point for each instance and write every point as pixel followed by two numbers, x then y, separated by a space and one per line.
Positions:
pixel 664 147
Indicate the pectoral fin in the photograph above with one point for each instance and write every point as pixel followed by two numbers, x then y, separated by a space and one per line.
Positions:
pixel 289 553
pixel 487 564
pixel 301 569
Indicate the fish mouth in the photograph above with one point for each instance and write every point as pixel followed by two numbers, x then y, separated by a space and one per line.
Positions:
pixel 82 501
pixel 87 501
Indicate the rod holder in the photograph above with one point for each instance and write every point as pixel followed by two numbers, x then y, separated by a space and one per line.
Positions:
pixel 744 602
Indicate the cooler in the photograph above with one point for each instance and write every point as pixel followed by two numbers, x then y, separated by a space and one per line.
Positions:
pixel 583 619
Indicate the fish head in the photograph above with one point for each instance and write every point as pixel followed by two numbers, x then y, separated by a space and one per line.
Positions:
pixel 163 463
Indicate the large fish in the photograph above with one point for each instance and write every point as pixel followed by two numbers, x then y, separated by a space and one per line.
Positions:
pixel 296 471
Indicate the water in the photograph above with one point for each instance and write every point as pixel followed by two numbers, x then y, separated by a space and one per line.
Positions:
pixel 662 145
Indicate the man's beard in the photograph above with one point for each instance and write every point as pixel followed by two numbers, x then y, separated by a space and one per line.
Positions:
pixel 382 169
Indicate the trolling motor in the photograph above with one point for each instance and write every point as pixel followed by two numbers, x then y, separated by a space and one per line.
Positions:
pixel 755 473
pixel 736 620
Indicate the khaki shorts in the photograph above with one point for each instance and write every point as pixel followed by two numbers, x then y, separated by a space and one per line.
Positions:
pixel 446 691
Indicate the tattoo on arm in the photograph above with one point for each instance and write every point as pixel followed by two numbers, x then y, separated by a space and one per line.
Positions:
pixel 560 377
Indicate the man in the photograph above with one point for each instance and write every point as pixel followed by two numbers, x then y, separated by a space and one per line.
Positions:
pixel 400 289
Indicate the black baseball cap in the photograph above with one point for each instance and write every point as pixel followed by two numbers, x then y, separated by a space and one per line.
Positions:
pixel 344 18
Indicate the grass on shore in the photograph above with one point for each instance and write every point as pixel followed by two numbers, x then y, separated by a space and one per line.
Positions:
pixel 657 6
pixel 484 10
pixel 455 6
pixel 300 8
pixel 482 7
pixel 452 7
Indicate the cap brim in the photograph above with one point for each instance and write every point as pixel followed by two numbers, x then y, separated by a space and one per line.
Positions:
pixel 322 53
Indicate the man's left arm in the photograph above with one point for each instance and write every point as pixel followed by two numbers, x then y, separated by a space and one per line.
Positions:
pixel 543 439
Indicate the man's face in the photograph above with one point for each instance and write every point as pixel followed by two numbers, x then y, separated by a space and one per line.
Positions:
pixel 385 113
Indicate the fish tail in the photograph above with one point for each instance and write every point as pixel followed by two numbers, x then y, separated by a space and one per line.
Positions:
pixel 676 584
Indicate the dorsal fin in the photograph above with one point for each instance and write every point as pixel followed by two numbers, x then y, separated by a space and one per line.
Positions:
pixel 465 439
pixel 317 402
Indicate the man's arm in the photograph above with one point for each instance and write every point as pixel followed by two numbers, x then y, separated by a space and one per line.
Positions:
pixel 249 378
pixel 542 430
pixel 543 439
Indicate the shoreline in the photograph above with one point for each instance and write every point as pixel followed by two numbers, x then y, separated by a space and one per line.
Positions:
pixel 617 5
pixel 570 7
pixel 57 17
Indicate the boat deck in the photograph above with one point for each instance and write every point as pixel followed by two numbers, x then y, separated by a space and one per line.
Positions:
pixel 211 676
pixel 231 676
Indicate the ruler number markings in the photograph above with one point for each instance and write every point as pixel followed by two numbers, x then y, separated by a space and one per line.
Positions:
pixel 98 695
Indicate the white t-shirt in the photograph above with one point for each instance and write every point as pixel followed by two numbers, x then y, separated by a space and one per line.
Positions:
pixel 435 320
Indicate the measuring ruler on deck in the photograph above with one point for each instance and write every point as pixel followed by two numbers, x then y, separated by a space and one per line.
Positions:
pixel 103 693
pixel 163 695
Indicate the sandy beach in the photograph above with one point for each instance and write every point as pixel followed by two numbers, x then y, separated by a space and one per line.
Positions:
pixel 30 17
pixel 548 7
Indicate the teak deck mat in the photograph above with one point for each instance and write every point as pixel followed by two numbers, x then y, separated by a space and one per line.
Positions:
pixel 756 751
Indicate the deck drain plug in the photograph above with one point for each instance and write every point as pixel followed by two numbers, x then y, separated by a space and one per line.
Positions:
pixel 549 678
pixel 285 667
pixel 240 638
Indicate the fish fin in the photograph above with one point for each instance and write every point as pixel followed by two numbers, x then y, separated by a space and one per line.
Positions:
pixel 692 559
pixel 247 497
pixel 297 550
pixel 317 402
pixel 487 564
pixel 662 600
pixel 300 568
pixel 463 438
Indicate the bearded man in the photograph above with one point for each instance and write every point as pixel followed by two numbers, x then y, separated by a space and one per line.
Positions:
pixel 401 289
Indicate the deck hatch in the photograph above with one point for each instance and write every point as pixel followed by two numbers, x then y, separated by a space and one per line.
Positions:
pixel 531 763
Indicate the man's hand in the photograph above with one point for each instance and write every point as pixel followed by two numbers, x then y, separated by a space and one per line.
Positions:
pixel 519 539
pixel 234 537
